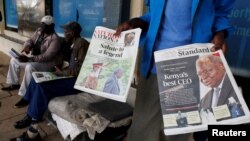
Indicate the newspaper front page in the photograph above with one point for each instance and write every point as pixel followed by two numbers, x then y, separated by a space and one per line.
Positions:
pixel 197 88
pixel 108 67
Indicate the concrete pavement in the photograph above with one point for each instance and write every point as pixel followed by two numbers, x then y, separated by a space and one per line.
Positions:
pixel 9 115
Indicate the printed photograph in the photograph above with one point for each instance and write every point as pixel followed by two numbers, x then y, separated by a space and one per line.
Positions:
pixel 129 39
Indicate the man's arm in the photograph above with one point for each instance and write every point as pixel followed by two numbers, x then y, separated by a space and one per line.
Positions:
pixel 133 23
pixel 29 44
pixel 221 21
pixel 80 51
pixel 221 26
pixel 50 53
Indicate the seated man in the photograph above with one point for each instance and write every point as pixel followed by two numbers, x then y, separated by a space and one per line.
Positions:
pixel 38 95
pixel 45 47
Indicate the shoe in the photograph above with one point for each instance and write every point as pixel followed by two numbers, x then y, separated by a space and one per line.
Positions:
pixel 21 103
pixel 25 122
pixel 25 137
pixel 11 87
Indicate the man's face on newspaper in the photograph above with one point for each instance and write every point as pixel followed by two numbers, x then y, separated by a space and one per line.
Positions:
pixel 210 73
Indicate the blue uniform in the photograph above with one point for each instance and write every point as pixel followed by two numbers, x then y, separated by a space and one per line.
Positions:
pixel 200 19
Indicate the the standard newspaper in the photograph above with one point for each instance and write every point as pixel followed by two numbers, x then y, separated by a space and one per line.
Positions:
pixel 108 67
pixel 46 76
pixel 197 88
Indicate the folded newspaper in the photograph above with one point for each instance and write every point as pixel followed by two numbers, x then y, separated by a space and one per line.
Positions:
pixel 108 67
pixel 197 88
pixel 46 76
pixel 14 53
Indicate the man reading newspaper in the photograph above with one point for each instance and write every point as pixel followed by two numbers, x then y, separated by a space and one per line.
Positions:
pixel 44 46
pixel 39 94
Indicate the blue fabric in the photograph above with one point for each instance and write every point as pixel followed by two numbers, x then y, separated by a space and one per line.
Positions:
pixel 207 16
pixel 175 29
pixel 39 94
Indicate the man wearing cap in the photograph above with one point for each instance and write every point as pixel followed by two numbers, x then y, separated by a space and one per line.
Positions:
pixel 44 46
pixel 39 94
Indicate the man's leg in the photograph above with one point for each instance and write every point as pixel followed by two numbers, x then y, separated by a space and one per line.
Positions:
pixel 38 96
pixel 13 74
pixel 32 89
pixel 44 92
pixel 147 122
pixel 147 119
pixel 30 67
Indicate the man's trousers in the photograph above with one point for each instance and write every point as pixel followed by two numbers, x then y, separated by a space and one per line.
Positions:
pixel 29 67
pixel 39 94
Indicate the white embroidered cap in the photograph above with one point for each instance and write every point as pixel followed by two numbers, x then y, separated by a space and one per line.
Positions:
pixel 48 20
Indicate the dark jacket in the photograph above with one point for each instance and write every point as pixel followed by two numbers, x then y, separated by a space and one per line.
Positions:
pixel 78 53
pixel 227 91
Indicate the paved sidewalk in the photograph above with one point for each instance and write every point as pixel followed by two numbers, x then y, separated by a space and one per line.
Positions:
pixel 9 115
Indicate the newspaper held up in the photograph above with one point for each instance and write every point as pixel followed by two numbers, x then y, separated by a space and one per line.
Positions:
pixel 108 67
pixel 197 88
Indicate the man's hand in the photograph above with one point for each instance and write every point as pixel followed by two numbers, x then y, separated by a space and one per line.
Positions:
pixel 26 50
pixel 58 72
pixel 133 23
pixel 23 58
pixel 122 27
pixel 219 42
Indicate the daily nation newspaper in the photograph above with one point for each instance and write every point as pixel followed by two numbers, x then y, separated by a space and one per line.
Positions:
pixel 108 67
pixel 197 88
